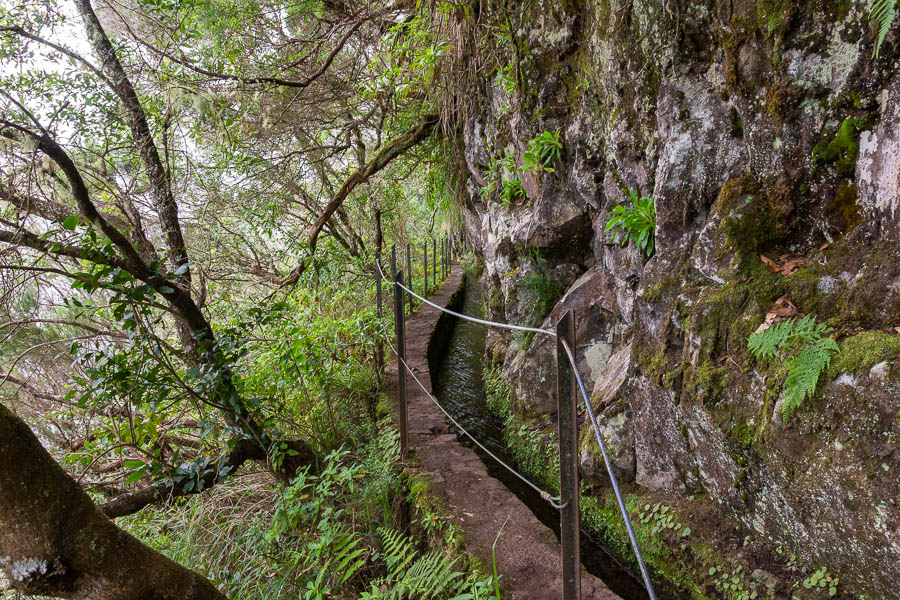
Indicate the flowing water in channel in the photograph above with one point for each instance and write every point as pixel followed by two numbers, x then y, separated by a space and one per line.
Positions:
pixel 459 386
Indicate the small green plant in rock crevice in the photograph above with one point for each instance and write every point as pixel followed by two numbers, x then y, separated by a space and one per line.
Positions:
pixel 822 580
pixel 541 152
pixel 811 348
pixel 882 13
pixel 659 518
pixel 635 223
pixel 511 190
pixel 736 583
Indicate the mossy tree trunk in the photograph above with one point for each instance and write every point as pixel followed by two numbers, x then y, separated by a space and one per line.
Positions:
pixel 55 542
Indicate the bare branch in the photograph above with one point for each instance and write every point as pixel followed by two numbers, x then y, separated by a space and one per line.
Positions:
pixel 395 148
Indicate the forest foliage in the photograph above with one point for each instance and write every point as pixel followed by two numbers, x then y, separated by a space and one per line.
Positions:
pixel 192 194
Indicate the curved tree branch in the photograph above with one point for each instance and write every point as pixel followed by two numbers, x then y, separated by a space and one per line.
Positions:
pixel 143 138
pixel 392 150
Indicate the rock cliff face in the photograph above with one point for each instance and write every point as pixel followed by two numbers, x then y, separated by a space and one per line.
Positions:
pixel 758 127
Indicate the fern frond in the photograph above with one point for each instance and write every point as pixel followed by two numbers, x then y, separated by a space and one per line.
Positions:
pixel 388 441
pixel 431 577
pixel 807 331
pixel 804 371
pixel 764 344
pixel 805 368
pixel 398 550
pixel 882 13
pixel 347 559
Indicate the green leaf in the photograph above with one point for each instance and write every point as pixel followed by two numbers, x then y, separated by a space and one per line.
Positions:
pixel 70 223
pixel 134 476
pixel 635 223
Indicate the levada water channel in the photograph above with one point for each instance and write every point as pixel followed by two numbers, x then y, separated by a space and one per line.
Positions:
pixel 457 378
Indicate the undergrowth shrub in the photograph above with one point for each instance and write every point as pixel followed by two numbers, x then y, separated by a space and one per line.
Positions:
pixel 332 535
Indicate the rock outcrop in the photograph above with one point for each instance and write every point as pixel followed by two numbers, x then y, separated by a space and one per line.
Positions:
pixel 758 127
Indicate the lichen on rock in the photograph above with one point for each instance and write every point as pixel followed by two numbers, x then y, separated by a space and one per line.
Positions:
pixel 758 127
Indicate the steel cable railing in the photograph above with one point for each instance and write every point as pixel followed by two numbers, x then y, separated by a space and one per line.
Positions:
pixel 462 316
pixel 545 495
pixel 592 417
pixel 615 484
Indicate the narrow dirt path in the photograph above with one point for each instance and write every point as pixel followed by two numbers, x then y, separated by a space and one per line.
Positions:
pixel 528 553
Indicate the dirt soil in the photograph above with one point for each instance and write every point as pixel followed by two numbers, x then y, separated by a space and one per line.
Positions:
pixel 528 553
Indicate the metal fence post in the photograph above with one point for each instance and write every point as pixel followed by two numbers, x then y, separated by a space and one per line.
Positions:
pixel 379 349
pixel 566 390
pixel 393 264
pixel 409 276
pixel 425 266
pixel 378 281
pixel 401 358
pixel 434 259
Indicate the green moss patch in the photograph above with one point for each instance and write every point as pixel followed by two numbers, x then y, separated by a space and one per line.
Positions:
pixel 861 352
pixel 842 150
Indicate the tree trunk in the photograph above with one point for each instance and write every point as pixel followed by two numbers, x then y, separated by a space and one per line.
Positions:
pixel 55 542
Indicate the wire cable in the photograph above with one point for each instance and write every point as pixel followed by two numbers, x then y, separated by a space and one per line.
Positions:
pixel 552 500
pixel 466 317
pixel 609 469
pixel 593 419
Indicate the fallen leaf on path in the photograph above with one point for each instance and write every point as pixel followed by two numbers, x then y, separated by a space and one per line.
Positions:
pixel 773 266
pixel 823 246
pixel 791 266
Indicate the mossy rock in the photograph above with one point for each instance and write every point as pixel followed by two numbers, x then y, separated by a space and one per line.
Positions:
pixel 753 216
pixel 861 352
pixel 842 150
pixel 844 211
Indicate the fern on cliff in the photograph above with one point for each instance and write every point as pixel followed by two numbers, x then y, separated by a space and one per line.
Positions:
pixel 815 351
pixel 882 13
